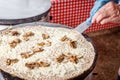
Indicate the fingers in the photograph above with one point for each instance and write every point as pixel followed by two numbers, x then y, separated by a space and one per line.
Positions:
pixel 110 20
pixel 106 20
pixel 108 11
pixel 99 15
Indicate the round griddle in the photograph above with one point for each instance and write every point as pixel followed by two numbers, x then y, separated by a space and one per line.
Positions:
pixel 23 11
pixel 80 77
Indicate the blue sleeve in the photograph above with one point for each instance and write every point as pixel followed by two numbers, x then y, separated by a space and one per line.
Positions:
pixel 109 0
pixel 97 5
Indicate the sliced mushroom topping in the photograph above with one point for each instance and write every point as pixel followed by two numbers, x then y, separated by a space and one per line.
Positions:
pixel 25 38
pixel 72 58
pixel 33 65
pixel 60 58
pixel 48 43
pixel 11 61
pixel 14 43
pixel 26 54
pixel 37 50
pixel 41 44
pixel 65 38
pixel 43 64
pixel 70 42
pixel 80 57
pixel 15 33
pixel 45 36
pixel 73 44
pixel 17 40
pixel 28 34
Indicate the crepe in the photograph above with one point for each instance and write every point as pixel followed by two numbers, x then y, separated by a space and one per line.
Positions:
pixel 45 53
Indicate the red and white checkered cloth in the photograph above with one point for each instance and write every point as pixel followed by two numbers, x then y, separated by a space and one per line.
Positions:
pixel 73 12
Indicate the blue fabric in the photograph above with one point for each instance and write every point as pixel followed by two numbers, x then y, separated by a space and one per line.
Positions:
pixel 109 0
pixel 97 5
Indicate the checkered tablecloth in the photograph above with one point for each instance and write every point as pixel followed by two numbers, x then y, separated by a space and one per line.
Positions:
pixel 73 12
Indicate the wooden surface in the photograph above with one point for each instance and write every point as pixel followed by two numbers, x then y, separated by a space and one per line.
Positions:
pixel 108 46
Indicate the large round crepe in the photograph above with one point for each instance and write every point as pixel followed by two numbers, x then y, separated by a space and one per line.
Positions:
pixel 57 70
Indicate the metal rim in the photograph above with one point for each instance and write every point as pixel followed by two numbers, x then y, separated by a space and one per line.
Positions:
pixel 24 20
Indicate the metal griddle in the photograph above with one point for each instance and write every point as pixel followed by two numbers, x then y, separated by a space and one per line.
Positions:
pixel 80 77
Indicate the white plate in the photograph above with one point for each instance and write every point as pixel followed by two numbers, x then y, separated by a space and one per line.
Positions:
pixel 19 9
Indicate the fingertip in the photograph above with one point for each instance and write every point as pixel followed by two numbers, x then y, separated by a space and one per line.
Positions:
pixel 103 22
pixel 93 20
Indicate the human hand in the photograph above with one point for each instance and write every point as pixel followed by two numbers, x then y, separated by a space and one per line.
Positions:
pixel 109 13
